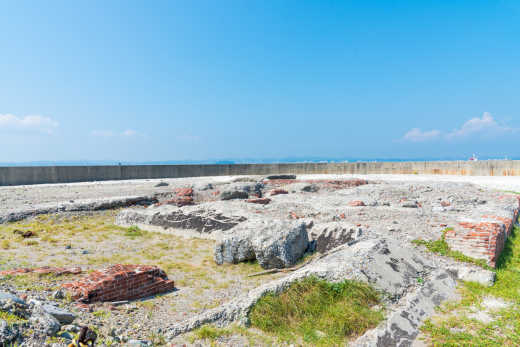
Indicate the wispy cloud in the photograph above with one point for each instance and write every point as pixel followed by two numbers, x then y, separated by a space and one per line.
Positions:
pixel 417 135
pixel 110 133
pixel 30 123
pixel 483 126
pixel 129 132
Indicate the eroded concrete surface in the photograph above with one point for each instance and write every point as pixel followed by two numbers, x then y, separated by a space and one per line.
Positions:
pixel 361 225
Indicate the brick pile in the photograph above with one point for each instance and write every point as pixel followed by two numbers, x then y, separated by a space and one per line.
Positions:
pixel 58 271
pixel 485 237
pixel 120 282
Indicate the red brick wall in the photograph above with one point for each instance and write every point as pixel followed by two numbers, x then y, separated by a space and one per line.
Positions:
pixel 484 239
pixel 120 282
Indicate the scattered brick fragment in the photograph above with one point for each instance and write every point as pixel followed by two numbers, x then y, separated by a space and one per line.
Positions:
pixel 278 192
pixel 120 282
pixel 356 203
pixel 445 203
pixel 262 201
pixel 293 215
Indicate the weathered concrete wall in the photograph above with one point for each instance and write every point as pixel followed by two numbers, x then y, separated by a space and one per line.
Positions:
pixel 64 174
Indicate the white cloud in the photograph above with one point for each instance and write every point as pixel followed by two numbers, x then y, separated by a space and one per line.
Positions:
pixel 486 125
pixel 110 133
pixel 32 123
pixel 129 132
pixel 417 135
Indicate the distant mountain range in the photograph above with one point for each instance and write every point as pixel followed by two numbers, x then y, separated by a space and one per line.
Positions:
pixel 231 161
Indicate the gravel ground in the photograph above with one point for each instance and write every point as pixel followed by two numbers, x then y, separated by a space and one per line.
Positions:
pixel 18 197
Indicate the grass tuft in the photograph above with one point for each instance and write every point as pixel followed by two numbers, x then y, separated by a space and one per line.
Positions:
pixel 10 318
pixel 319 312
pixel 134 232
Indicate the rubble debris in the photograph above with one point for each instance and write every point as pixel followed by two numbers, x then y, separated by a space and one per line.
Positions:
pixel 120 282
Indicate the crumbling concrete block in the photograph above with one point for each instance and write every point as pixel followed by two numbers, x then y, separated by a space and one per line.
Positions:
pixel 203 218
pixel 275 244
pixel 326 236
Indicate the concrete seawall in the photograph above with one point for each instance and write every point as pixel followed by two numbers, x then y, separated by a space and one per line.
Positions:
pixel 65 174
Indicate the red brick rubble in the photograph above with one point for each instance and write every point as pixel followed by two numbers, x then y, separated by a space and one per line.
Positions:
pixel 356 203
pixel 262 201
pixel 183 197
pixel 278 192
pixel 120 282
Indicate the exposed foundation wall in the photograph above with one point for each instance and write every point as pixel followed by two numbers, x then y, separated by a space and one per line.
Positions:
pixel 64 174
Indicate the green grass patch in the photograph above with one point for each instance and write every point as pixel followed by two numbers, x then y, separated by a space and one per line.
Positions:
pixel 318 312
pixel 209 332
pixel 10 318
pixel 134 232
pixel 441 247
pixel 453 327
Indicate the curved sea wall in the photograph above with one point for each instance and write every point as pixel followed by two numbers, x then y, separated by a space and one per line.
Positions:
pixel 66 174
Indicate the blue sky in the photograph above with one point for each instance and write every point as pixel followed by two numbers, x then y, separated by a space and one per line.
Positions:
pixel 195 80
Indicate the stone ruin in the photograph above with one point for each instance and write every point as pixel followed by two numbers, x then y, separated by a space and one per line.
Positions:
pixel 362 230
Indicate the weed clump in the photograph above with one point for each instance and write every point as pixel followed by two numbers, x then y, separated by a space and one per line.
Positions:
pixel 319 312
